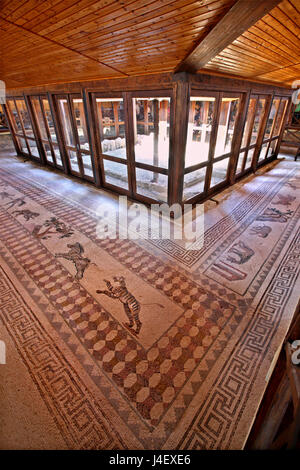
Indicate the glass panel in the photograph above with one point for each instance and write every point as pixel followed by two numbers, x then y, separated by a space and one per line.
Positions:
pixel 48 153
pixel 49 119
pixel 111 116
pixel 15 117
pixel 81 123
pixel 272 148
pixel 247 130
pixel 66 122
pixel 193 183
pixel 240 162
pixel 249 158
pixel 151 184
pixel 2 118
pixel 199 130
pixel 33 148
pixel 39 117
pixel 87 165
pixel 22 108
pixel 271 118
pixel 258 120
pixel 227 120
pixel 219 172
pixel 23 145
pixel 279 118
pixel 263 152
pixel 73 161
pixel 57 156
pixel 152 130
pixel 116 174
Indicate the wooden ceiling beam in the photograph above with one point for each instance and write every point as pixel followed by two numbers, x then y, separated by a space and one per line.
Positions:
pixel 234 23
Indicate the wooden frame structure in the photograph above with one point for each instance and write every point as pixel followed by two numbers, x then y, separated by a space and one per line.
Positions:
pixel 64 127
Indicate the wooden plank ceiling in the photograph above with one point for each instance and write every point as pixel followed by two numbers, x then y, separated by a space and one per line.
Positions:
pixel 56 41
pixel 269 50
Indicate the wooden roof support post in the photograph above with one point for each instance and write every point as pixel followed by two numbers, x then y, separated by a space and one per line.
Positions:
pixel 180 124
pixel 234 23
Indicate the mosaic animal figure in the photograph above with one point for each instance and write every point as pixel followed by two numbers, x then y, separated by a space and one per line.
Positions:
pixel 261 231
pixel 27 214
pixel 131 305
pixel 4 195
pixel 275 215
pixel 75 255
pixel 284 199
pixel 240 253
pixel 18 202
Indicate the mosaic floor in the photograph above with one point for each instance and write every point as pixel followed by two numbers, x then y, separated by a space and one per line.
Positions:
pixel 144 344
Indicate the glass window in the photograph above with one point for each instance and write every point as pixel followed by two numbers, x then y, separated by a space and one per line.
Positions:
pixel 193 183
pixel 66 122
pixel 15 117
pixel 249 158
pixel 151 184
pixel 2 118
pixel 57 156
pixel 152 130
pixel 116 174
pixel 81 123
pixel 73 161
pixel 111 117
pixel 48 152
pixel 39 117
pixel 33 148
pixel 279 118
pixel 219 172
pixel 248 125
pixel 227 120
pixel 49 119
pixel 87 165
pixel 271 118
pixel 259 114
pixel 201 114
pixel 23 146
pixel 272 148
pixel 23 113
pixel 263 152
pixel 240 163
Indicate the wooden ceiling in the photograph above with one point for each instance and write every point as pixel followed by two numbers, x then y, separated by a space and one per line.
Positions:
pixel 269 50
pixel 55 41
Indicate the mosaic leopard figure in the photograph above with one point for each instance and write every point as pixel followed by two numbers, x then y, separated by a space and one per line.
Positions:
pixel 75 255
pixel 131 305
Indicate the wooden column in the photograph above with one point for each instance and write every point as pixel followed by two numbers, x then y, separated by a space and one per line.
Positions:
pixel 91 136
pixel 116 117
pixel 285 121
pixel 179 134
pixel 239 130
pixel 146 118
pixel 155 137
